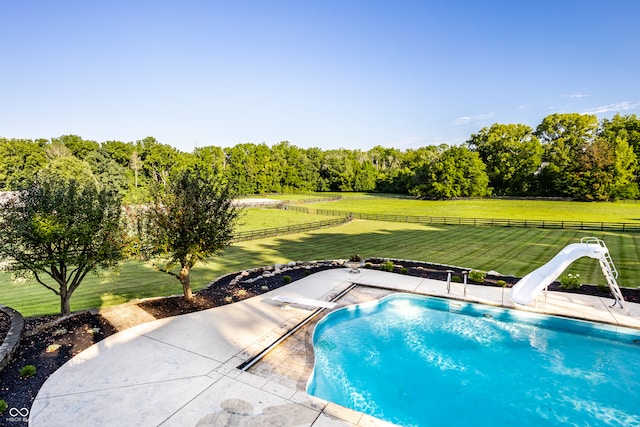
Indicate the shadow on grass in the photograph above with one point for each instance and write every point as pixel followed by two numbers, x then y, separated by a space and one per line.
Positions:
pixel 511 251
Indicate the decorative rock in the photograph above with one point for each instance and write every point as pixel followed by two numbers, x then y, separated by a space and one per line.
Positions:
pixel 12 340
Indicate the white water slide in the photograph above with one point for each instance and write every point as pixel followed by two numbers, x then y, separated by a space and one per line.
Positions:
pixel 526 290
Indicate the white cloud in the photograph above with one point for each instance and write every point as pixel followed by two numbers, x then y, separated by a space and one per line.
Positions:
pixel 619 106
pixel 475 119
pixel 462 120
pixel 576 95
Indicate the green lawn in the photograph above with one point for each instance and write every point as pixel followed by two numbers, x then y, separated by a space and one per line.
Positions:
pixel 514 251
pixel 259 218
pixel 491 208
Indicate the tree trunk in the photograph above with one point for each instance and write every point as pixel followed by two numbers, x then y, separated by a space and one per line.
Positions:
pixel 65 305
pixel 186 283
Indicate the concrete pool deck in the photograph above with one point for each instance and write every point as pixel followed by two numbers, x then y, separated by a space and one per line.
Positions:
pixel 184 370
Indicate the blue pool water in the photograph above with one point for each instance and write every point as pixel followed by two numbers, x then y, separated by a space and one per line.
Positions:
pixel 422 361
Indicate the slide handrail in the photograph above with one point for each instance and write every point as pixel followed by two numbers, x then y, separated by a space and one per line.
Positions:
pixel 606 254
pixel 525 291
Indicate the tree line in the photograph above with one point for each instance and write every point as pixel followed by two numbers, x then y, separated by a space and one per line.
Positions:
pixel 566 155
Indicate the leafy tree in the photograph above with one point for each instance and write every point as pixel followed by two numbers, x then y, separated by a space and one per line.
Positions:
pixel 241 169
pixel 107 171
pixel 70 168
pixel 76 145
pixel 119 151
pixel 458 172
pixel 57 150
pixel 625 170
pixel 211 159
pixel 58 231
pixel 192 219
pixel 313 175
pixel 338 169
pixel 20 159
pixel 606 171
pixel 511 154
pixel 624 128
pixel 398 170
pixel 297 170
pixel 594 176
pixel 158 160
pixel 563 137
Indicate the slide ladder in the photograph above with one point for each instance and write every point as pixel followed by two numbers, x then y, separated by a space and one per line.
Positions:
pixel 609 270
pixel 527 288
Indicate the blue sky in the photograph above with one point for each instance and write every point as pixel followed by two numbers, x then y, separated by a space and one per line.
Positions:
pixel 323 73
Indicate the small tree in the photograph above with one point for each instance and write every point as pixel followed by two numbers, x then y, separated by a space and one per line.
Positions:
pixel 192 219
pixel 61 229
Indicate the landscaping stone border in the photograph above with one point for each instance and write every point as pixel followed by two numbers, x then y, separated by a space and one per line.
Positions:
pixel 11 341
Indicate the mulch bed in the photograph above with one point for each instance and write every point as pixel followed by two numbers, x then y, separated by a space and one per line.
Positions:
pixel 81 330
pixel 75 333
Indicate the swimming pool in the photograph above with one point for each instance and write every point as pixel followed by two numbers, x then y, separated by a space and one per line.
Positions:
pixel 424 361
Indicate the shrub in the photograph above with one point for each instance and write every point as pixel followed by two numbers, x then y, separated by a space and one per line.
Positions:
pixel 355 258
pixel 386 266
pixel 404 270
pixel 286 279
pixel 477 276
pixel 27 371
pixel 3 406
pixel 570 281
pixel 306 273
pixel 603 288
pixel 501 283
pixel 368 265
pixel 456 279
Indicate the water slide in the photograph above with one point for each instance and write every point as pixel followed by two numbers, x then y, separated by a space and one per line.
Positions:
pixel 526 290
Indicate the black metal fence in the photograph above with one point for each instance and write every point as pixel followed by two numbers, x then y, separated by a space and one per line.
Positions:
pixel 480 222
pixel 291 229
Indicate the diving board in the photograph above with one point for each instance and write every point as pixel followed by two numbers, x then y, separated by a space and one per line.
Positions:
pixel 309 302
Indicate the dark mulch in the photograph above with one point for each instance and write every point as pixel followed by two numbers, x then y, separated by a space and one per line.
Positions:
pixel 73 334
pixel 78 332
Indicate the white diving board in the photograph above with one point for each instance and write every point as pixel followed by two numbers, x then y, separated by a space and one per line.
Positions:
pixel 287 299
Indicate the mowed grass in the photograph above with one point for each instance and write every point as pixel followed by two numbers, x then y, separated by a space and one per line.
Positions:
pixel 492 208
pixel 259 218
pixel 512 251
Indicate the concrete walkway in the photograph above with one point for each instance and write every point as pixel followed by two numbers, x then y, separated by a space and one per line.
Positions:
pixel 125 316
pixel 184 370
